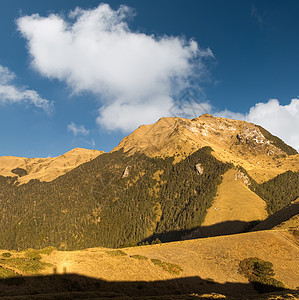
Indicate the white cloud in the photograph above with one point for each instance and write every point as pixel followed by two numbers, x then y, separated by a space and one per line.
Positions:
pixel 280 120
pixel 96 51
pixel 77 130
pixel 9 93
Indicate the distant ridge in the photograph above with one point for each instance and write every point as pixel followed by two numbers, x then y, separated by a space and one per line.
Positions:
pixel 45 169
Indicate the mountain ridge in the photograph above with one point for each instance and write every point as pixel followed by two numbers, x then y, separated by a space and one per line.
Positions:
pixel 45 169
pixel 233 141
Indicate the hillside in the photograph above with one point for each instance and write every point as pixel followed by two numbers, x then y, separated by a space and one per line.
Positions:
pixel 138 194
pixel 286 218
pixel 45 169
pixel 234 208
pixel 263 155
pixel 195 267
pixel 216 258
pixel 111 201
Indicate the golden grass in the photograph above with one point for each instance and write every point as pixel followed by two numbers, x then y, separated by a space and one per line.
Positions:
pixel 216 258
pixel 46 169
pixel 235 202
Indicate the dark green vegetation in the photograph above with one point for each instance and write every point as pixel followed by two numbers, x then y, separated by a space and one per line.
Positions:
pixel 19 171
pixel 139 257
pixel 6 273
pixel 116 253
pixel 260 273
pixel 26 263
pixel 277 142
pixel 6 254
pixel 95 205
pixel 279 191
pixel 168 267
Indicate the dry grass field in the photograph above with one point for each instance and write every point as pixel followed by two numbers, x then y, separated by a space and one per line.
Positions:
pixel 200 266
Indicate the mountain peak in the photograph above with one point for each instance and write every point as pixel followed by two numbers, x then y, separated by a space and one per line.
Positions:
pixel 238 142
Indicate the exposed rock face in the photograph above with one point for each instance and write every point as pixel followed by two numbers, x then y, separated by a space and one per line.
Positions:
pixel 126 172
pixel 199 169
pixel 176 133
pixel 243 177
pixel 233 141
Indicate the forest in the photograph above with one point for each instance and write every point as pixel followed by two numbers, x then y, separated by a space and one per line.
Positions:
pixel 119 200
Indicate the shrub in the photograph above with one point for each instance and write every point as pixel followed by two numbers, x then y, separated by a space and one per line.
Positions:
pixel 25 265
pixel 47 250
pixel 116 253
pixel 260 273
pixel 168 267
pixel 139 257
pixel 19 171
pixel 32 254
pixel 5 273
pixel 6 254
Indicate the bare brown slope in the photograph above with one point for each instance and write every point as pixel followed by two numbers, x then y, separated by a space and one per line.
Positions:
pixel 239 142
pixel 46 169
pixel 216 258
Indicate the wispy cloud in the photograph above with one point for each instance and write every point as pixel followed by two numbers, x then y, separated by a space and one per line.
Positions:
pixel 91 143
pixel 77 130
pixel 256 15
pixel 135 75
pixel 10 93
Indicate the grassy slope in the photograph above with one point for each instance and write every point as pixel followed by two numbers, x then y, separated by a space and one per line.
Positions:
pixel 46 169
pixel 216 258
pixel 235 202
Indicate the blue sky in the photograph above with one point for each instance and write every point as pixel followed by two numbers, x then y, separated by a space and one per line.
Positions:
pixel 86 73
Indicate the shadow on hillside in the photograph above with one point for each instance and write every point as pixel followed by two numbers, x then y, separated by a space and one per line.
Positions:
pixel 223 228
pixel 228 227
pixel 279 217
pixel 72 286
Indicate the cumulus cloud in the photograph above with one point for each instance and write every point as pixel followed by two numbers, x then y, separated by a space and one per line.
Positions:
pixel 135 75
pixel 280 120
pixel 77 130
pixel 9 93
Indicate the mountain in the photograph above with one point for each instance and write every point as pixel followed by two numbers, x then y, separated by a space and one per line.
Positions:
pixel 174 179
pixel 45 169
pixel 263 155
